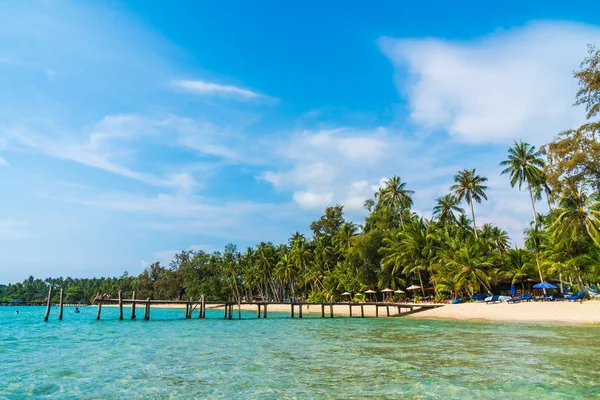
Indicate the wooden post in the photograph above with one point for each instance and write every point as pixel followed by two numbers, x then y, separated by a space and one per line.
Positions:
pixel 388 310
pixel 258 315
pixel 350 306
pixel 60 305
pixel 322 310
pixel 99 309
pixel 362 310
pixel 231 311
pixel 120 305
pixel 300 310
pixel 265 313
pixel 147 313
pixel 331 310
pixel 376 310
pixel 225 311
pixel 133 306
pixel 191 308
pixel 239 310
pixel 292 311
pixel 203 306
pixel 48 304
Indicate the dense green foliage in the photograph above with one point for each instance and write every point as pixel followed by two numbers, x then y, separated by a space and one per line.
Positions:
pixel 395 247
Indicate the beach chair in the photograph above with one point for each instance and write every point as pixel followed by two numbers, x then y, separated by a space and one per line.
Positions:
pixel 593 292
pixel 577 297
pixel 526 297
pixel 515 299
pixel 492 299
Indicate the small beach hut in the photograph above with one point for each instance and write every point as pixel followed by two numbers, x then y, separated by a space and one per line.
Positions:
pixel 370 293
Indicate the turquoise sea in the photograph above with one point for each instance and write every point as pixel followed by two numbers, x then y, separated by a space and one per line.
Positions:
pixel 340 358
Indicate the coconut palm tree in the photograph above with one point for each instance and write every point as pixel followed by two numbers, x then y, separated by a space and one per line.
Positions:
pixel 470 265
pixel 524 164
pixel 577 215
pixel 445 208
pixel 396 196
pixel 469 186
pixel 518 266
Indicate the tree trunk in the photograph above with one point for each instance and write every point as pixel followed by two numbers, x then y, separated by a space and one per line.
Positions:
pixel 473 214
pixel 537 261
pixel 421 280
pixel 535 216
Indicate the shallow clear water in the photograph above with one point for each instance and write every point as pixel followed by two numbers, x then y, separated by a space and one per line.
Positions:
pixel 170 357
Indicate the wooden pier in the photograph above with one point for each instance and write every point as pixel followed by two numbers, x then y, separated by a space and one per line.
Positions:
pixel 296 309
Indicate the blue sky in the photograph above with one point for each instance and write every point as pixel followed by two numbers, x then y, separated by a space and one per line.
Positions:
pixel 131 130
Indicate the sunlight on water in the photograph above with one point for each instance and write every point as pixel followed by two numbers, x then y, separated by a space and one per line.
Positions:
pixel 290 358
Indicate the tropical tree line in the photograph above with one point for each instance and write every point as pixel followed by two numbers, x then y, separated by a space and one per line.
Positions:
pixel 448 254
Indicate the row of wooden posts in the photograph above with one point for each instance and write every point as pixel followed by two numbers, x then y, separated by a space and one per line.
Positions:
pixel 190 306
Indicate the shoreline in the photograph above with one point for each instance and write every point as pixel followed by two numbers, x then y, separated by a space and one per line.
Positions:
pixel 564 313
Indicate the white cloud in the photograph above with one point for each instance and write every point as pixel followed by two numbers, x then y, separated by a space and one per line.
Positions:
pixel 3 161
pixel 510 84
pixel 311 200
pixel 203 87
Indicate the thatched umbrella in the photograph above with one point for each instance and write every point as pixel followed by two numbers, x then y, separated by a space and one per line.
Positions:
pixel 387 290
pixel 370 293
pixel 347 294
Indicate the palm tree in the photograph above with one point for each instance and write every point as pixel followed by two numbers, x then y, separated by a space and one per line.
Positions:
pixel 445 208
pixel 518 266
pixel 470 265
pixel 524 164
pixel 469 186
pixel 395 196
pixel 577 215
pixel 342 240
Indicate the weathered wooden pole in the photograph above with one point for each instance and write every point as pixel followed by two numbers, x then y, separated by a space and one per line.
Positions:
pixel 258 314
pixel 133 306
pixel 362 310
pixel 239 310
pixel 147 313
pixel 60 305
pixel 265 312
pixel 350 306
pixel 99 309
pixel 203 310
pixel 191 308
pixel 292 311
pixel 231 311
pixel 300 310
pixel 48 304
pixel 388 310
pixel 376 310
pixel 225 311
pixel 120 305
pixel 322 310
pixel 331 310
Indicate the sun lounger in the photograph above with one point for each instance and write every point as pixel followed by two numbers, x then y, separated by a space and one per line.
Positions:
pixel 514 300
pixel 577 297
pixel 593 292
pixel 492 299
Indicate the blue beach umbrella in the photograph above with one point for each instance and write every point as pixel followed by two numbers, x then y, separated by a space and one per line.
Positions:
pixel 544 285
pixel 513 290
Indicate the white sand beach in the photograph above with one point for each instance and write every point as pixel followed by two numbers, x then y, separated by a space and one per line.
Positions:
pixel 587 312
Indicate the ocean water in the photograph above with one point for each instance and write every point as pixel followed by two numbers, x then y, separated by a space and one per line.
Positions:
pixel 340 358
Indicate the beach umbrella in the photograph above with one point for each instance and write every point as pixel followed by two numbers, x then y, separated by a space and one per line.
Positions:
pixel 513 290
pixel 370 293
pixel 346 294
pixel 399 291
pixel 544 285
pixel 413 287
pixel 387 290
